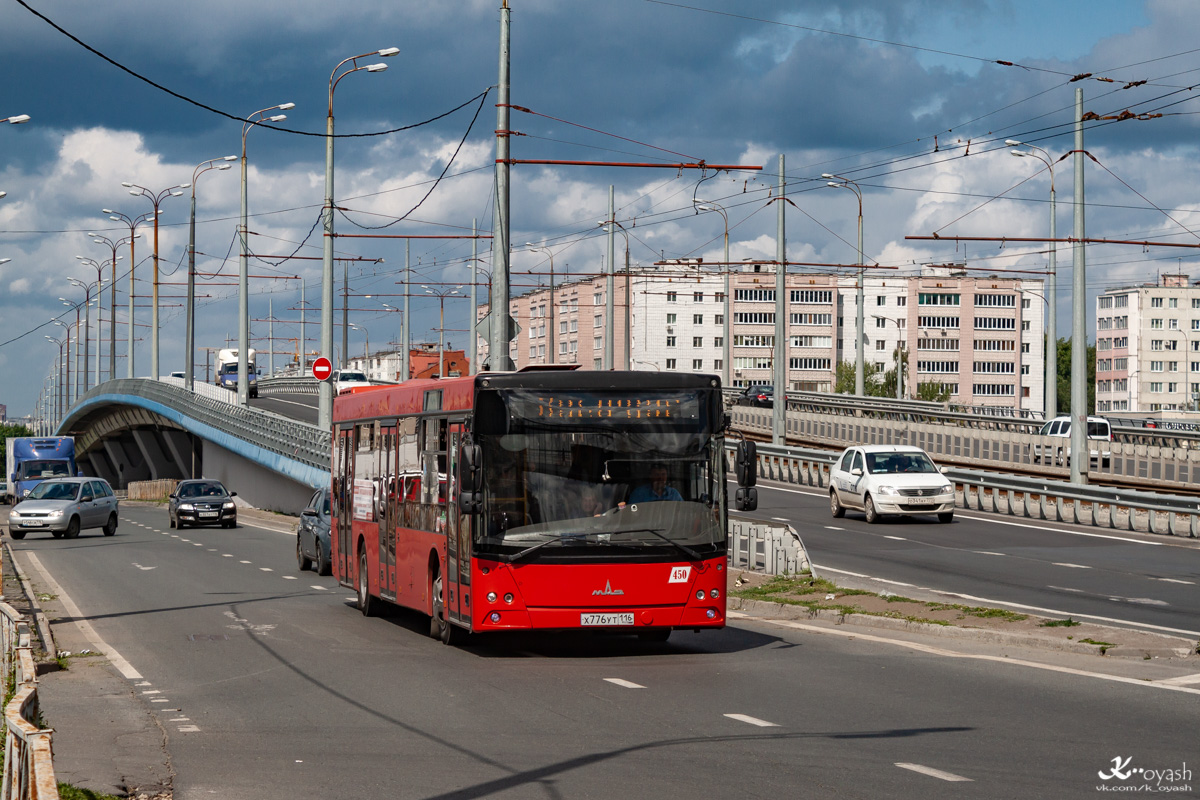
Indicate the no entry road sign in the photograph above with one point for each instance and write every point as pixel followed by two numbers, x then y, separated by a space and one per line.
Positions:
pixel 322 369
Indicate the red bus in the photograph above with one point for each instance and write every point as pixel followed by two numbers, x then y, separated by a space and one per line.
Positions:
pixel 535 500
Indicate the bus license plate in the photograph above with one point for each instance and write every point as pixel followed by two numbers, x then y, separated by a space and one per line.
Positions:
pixel 588 620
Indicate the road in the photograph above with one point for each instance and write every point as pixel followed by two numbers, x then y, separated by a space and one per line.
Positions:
pixel 268 684
pixel 1143 580
pixel 301 407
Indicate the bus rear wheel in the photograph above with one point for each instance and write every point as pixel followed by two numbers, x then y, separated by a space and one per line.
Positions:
pixel 366 604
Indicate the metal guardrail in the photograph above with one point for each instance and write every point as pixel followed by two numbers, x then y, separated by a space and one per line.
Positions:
pixel 293 385
pixel 1034 498
pixel 297 440
pixel 28 759
pixel 766 546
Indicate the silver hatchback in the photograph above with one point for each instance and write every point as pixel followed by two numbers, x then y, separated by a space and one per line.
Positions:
pixel 65 506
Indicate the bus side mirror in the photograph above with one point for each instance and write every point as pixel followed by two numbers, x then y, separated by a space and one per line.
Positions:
pixel 747 464
pixel 746 499
pixel 470 481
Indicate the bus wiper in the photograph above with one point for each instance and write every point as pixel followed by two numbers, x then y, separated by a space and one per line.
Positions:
pixel 689 552
pixel 558 540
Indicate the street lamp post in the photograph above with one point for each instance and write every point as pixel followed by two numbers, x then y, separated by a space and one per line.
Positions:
pixel 839 182
pixel 441 296
pixel 243 382
pixel 112 296
pixel 58 404
pixel 131 223
pixel 727 371
pixel 156 199
pixel 99 267
pixel 899 355
pixel 189 362
pixel 550 253
pixel 325 388
pixel 1051 410
pixel 87 325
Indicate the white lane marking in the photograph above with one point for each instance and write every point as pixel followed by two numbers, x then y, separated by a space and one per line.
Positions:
pixel 781 519
pixel 933 773
pixel 322 588
pixel 197 544
pixel 1071 566
pixel 244 562
pixel 1036 609
pixel 1173 580
pixel 1065 589
pixel 1145 601
pixel 144 683
pixel 160 700
pixel 152 691
pixel 959 513
pixel 289 577
pixel 186 540
pixel 116 659
pixel 625 683
pixel 181 719
pixel 226 555
pixel 1182 680
pixel 989 553
pixel 139 566
pixel 897 538
pixel 188 729
pixel 939 651
pixel 762 723
pixel 266 569
pixel 833 528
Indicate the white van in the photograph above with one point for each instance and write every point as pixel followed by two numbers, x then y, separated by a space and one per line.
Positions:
pixel 1060 428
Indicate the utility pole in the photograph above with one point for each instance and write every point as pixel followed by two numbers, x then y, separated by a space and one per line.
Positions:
pixel 1080 454
pixel 779 404
pixel 345 314
pixel 404 368
pixel 472 349
pixel 609 333
pixel 303 357
pixel 499 327
pixel 271 335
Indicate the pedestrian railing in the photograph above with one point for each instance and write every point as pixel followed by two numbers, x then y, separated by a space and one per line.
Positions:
pixel 1030 497
pixel 28 760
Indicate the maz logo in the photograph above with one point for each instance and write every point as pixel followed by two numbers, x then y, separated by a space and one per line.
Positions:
pixel 607 590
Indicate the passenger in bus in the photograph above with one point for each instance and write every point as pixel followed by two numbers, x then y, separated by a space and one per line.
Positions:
pixel 656 489
pixel 590 504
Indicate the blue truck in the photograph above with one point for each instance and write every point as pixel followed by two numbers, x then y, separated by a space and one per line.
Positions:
pixel 32 459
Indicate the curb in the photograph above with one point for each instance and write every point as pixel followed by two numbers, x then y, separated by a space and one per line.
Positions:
pixel 35 610
pixel 1172 647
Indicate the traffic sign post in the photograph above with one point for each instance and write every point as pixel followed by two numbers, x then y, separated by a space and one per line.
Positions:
pixel 322 369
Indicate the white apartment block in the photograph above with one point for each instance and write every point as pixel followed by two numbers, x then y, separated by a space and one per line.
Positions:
pixel 1148 346
pixel 983 337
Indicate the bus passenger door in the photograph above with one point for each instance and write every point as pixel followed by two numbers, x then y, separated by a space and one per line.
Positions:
pixel 386 512
pixel 344 557
pixel 455 555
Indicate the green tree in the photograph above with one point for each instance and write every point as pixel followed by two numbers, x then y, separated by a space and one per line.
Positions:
pixel 1064 377
pixel 936 391
pixel 10 431
pixel 844 379
pixel 887 384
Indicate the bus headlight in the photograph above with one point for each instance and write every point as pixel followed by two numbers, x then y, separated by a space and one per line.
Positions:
pixel 508 598
pixel 494 616
pixel 699 594
pixel 491 597
pixel 711 613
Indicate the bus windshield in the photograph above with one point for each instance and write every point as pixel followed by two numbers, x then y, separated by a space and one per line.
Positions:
pixel 637 474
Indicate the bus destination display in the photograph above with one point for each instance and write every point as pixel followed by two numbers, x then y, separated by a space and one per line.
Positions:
pixel 660 407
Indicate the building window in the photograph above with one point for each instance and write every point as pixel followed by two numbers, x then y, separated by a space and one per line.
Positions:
pixel 697 341
pixel 719 341
pixel 1025 302
pixel 697 364
pixel 697 297
pixel 670 319
pixel 1024 347
pixel 880 322
pixel 670 363
pixel 880 344
pixel 1156 302
pixel 719 297
pixel 597 299
pixel 881 300
pixel 754 295
pixel 697 319
pixel 719 319
pixel 1173 302
pixel 1156 344
pixel 670 341
pixel 1156 366
pixel 937 299
pixel 574 326
pixel 1024 369
pixel 996 300
pixel 902 300
pixel 671 297
pixel 598 321
pixel 718 365
pixel 1024 324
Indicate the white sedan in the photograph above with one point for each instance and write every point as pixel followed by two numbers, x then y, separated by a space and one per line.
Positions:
pixel 889 480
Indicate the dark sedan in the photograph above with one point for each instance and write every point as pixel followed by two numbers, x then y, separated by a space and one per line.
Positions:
pixel 312 535
pixel 201 502
pixel 761 396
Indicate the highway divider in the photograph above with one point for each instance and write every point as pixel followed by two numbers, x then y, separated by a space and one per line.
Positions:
pixel 1029 497
pixel 766 546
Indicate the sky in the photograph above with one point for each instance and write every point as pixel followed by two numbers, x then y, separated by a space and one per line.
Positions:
pixel 908 99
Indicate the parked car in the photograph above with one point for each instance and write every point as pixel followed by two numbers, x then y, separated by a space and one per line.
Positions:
pixel 1099 430
pixel 65 506
pixel 312 535
pixel 344 379
pixel 761 396
pixel 201 502
pixel 882 480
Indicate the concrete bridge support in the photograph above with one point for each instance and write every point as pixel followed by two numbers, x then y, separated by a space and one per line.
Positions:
pixel 127 461
pixel 181 447
pixel 149 445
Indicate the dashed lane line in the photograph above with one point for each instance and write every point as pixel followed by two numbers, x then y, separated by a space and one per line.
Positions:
pixel 897 538
pixel 321 588
pixel 933 773
pixel 762 723
pixel 1070 566
pixel 289 577
pixel 624 683
pixel 1176 580
pixel 1182 680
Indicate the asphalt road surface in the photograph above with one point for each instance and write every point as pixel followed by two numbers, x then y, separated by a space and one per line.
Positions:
pixel 268 684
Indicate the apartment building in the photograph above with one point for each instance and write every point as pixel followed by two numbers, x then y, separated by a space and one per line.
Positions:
pixel 983 337
pixel 1148 346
